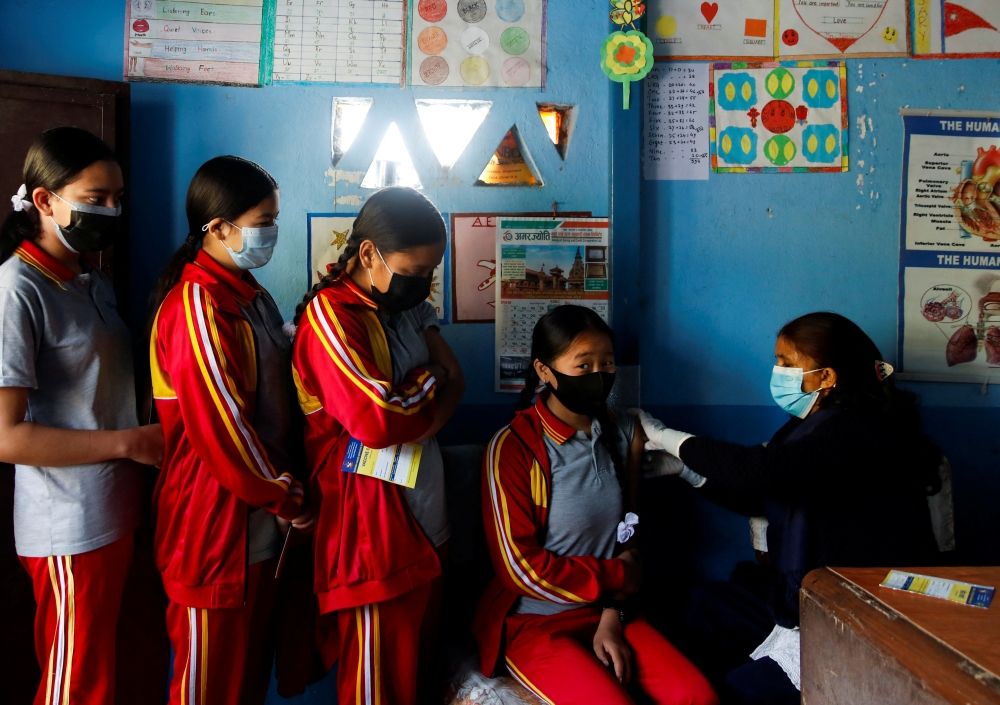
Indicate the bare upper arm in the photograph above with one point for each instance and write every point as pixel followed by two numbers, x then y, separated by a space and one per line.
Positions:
pixel 13 406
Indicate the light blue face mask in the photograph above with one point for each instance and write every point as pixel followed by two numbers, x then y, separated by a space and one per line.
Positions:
pixel 258 246
pixel 786 389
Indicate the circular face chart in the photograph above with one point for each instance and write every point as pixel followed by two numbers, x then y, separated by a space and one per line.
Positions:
pixel 487 43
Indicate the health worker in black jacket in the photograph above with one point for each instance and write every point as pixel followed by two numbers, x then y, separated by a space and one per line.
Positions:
pixel 844 483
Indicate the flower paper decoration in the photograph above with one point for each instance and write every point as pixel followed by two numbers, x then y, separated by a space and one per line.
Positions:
pixel 626 57
pixel 626 12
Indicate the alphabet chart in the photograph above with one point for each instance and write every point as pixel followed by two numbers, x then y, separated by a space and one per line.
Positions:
pixel 194 42
pixel 340 41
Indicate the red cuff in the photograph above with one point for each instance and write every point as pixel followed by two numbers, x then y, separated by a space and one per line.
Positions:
pixel 612 575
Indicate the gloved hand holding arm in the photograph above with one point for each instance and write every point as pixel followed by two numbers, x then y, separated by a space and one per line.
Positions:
pixel 663 450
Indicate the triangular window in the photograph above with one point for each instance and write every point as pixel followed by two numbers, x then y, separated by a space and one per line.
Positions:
pixel 559 121
pixel 450 125
pixel 392 165
pixel 510 165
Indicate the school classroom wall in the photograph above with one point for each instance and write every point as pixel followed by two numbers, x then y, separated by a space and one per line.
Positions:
pixel 705 272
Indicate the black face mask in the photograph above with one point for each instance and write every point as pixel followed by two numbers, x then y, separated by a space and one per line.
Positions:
pixel 584 394
pixel 404 292
pixel 91 228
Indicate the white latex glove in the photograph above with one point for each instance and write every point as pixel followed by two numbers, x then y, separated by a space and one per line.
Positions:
pixel 659 437
pixel 656 463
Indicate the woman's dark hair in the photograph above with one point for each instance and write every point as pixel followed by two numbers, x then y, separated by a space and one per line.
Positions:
pixel 223 187
pixel 395 219
pixel 837 342
pixel 55 159
pixel 552 336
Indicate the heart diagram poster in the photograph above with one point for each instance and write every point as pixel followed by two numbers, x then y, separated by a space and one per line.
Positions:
pixel 773 29
pixel 778 116
pixel 949 261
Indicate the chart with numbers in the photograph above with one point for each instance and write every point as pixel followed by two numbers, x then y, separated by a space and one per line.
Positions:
pixel 544 263
pixel 340 41
pixel 675 139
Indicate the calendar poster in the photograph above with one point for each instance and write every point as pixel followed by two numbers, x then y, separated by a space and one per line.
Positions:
pixel 544 263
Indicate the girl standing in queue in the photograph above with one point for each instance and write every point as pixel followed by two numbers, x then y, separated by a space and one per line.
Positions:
pixel 221 379
pixel 373 372
pixel 67 411
pixel 558 483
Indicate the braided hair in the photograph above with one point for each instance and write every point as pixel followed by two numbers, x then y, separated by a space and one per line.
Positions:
pixel 395 219
pixel 223 187
pixel 552 336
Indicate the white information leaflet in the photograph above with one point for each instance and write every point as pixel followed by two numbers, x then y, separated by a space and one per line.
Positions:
pixel 544 263
pixel 675 129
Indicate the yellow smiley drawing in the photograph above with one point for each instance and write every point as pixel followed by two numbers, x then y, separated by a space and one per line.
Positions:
pixel 890 35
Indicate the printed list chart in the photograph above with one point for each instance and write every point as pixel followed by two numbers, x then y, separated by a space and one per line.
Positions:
pixel 339 41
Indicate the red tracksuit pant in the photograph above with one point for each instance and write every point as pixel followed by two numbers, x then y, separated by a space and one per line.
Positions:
pixel 78 600
pixel 553 656
pixel 213 648
pixel 379 646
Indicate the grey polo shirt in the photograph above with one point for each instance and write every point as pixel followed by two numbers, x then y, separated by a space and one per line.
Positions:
pixel 586 502
pixel 273 414
pixel 405 335
pixel 62 338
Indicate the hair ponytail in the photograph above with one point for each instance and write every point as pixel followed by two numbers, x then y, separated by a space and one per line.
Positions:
pixel 395 219
pixel 531 382
pixel 223 187
pixel 55 159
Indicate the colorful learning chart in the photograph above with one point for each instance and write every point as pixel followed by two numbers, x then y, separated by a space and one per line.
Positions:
pixel 778 116
pixel 327 235
pixel 949 262
pixel 675 129
pixel 955 28
pixel 195 42
pixel 478 43
pixel 544 263
pixel 340 41
pixel 757 29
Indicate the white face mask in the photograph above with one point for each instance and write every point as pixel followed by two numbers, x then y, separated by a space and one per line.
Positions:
pixel 258 246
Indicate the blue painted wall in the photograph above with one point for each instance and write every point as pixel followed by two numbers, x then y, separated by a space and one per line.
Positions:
pixel 705 272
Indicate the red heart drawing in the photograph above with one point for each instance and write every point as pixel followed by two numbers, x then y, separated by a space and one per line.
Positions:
pixel 709 10
pixel 839 33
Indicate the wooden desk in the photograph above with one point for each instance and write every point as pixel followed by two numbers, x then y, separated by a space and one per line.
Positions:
pixel 862 643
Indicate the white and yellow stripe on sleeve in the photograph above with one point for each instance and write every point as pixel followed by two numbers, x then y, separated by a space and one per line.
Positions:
pixel 200 316
pixel 323 319
pixel 518 567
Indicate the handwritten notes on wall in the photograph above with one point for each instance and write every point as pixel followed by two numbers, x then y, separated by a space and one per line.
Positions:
pixel 340 41
pixel 675 140
pixel 194 42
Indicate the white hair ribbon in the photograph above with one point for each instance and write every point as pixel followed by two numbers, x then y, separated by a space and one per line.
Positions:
pixel 19 202
pixel 626 529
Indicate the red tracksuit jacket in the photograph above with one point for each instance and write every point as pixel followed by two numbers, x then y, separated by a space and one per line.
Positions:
pixel 517 489
pixel 204 366
pixel 369 548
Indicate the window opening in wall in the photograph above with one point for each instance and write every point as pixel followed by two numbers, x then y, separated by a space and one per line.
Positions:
pixel 348 116
pixel 450 125
pixel 392 165
pixel 511 164
pixel 559 120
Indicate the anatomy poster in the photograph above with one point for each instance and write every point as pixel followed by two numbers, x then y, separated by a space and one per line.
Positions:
pixel 195 42
pixel 955 28
pixel 327 237
pixel 544 263
pixel 778 117
pixel 772 29
pixel 949 264
pixel 478 43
